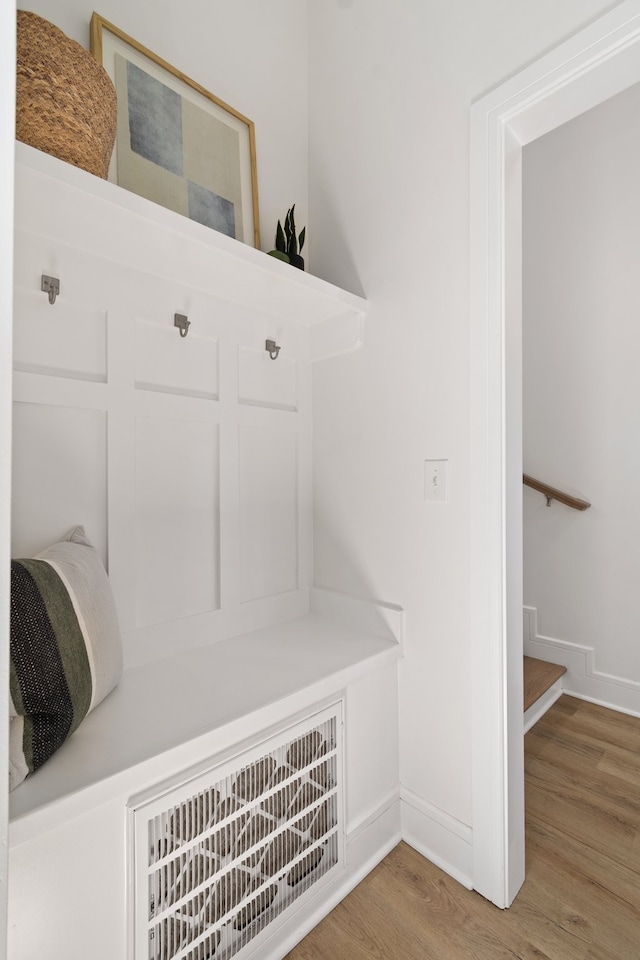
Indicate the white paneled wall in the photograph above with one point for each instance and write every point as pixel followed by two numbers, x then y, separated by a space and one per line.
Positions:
pixel 268 460
pixel 78 477
pixel 190 372
pixel 177 464
pixel 186 458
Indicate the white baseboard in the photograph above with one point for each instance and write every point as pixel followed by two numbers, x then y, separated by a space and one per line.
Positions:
pixel 438 836
pixel 582 679
pixel 400 816
pixel 367 845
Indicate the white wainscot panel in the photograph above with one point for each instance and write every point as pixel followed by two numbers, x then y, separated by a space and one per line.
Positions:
pixel 66 339
pixel 268 462
pixel 265 382
pixel 177 519
pixel 59 476
pixel 169 363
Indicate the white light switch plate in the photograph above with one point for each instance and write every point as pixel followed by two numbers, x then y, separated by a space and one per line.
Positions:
pixel 435 479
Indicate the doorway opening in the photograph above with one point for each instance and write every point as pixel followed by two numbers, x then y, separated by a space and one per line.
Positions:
pixel 594 65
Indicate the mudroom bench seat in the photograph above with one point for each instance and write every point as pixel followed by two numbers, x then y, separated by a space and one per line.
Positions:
pixel 185 707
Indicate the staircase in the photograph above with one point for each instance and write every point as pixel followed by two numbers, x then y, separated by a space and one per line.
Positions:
pixel 542 680
pixel 542 687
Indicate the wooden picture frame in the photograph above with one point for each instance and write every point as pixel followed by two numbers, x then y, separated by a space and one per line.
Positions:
pixel 177 144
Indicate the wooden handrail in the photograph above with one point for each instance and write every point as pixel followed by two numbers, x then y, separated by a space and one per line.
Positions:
pixel 551 493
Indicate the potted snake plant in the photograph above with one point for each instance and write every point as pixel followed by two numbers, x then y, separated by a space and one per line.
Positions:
pixel 288 244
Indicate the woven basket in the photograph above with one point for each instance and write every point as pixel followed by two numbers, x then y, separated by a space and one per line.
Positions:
pixel 66 104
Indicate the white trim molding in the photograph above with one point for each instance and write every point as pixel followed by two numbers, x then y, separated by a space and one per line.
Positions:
pixel 599 61
pixel 582 679
pixel 438 836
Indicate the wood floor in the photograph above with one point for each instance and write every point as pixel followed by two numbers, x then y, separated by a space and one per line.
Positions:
pixel 581 898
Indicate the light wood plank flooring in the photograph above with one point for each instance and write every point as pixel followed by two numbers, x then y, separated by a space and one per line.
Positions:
pixel 581 898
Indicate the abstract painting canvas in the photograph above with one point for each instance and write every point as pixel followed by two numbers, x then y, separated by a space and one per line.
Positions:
pixel 177 144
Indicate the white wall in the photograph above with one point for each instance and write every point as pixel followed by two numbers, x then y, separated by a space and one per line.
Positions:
pixel 389 169
pixel 581 393
pixel 251 54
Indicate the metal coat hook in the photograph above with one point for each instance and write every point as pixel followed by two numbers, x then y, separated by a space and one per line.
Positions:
pixel 182 323
pixel 50 285
pixel 272 349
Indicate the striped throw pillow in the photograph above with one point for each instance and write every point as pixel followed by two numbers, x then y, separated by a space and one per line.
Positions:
pixel 66 649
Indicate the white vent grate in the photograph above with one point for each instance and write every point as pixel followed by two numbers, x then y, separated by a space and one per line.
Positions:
pixel 220 857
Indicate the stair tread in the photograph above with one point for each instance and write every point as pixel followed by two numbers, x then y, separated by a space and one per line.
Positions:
pixel 538 677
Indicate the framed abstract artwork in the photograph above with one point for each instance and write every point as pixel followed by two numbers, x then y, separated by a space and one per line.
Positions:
pixel 176 143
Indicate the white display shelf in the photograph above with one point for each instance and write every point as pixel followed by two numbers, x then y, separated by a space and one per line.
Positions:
pixel 142 235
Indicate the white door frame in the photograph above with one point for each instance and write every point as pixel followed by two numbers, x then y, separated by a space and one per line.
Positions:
pixel 595 64
pixel 7 148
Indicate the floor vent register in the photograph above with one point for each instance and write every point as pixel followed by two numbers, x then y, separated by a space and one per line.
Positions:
pixel 218 859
